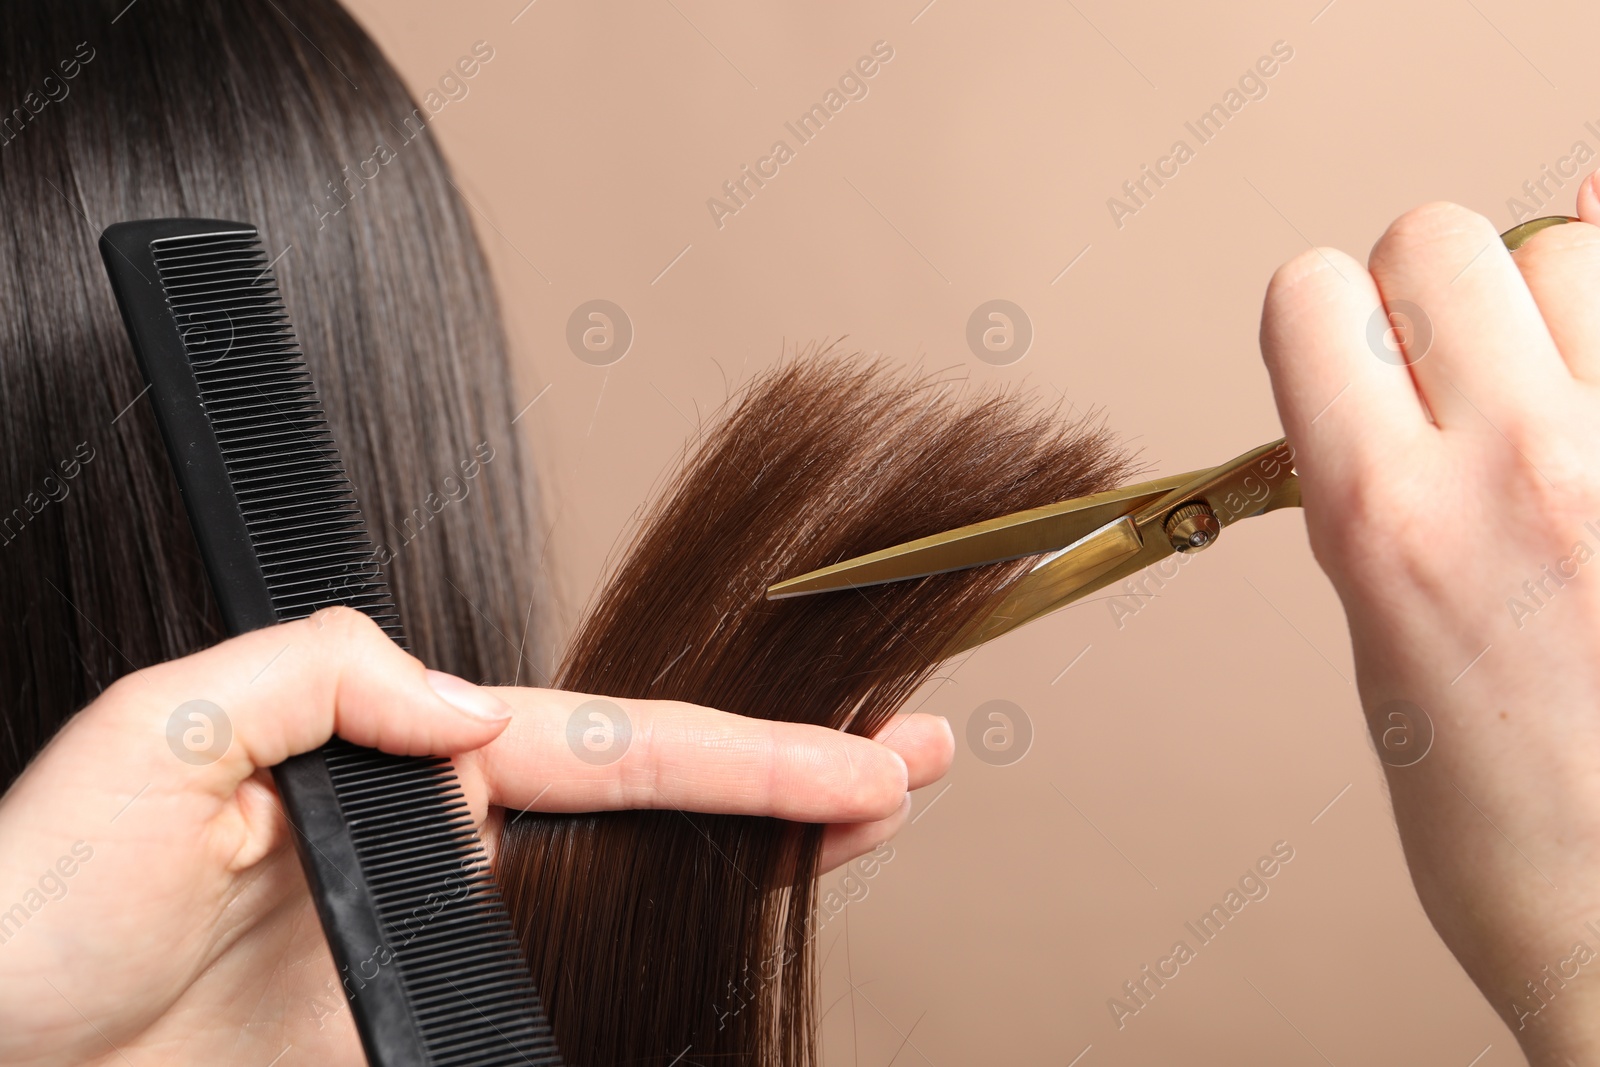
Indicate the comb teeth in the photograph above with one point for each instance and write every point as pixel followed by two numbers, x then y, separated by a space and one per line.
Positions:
pixel 428 877
pixel 299 507
pixel 462 966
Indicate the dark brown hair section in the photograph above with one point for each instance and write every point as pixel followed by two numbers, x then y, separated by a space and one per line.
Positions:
pixel 652 933
pixel 246 110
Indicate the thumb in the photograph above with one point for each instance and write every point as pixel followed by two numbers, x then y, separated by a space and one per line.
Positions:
pixel 257 699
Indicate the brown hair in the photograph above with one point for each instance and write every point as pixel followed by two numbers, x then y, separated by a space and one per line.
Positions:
pixel 260 111
pixel 649 932
pixel 655 934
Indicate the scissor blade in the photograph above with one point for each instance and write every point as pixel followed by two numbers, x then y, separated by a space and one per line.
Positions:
pixel 1022 533
pixel 1094 561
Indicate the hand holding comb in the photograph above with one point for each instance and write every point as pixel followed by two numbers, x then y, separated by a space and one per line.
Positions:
pixel 424 948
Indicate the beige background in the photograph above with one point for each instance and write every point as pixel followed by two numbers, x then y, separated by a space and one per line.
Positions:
pixel 1220 718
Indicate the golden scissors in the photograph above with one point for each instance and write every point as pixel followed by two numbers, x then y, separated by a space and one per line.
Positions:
pixel 1091 542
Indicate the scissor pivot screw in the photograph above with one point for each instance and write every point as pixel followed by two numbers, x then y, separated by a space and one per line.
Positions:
pixel 1192 527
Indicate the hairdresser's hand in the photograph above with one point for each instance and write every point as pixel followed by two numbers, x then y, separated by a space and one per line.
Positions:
pixel 1467 555
pixel 152 908
pixel 675 755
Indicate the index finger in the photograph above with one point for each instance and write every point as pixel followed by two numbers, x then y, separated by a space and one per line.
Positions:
pixel 575 752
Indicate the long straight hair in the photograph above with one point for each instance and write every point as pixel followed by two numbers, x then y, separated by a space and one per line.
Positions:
pixel 661 934
pixel 268 112
pixel 649 933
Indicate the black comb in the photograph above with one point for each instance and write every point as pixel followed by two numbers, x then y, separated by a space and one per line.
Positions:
pixel 424 947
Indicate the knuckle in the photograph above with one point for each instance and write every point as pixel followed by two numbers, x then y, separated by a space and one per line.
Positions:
pixel 638 771
pixel 829 771
pixel 1556 476
pixel 1370 527
pixel 1560 251
pixel 1304 267
pixel 120 691
pixel 768 769
pixel 1439 223
pixel 341 623
pixel 124 697
pixel 346 639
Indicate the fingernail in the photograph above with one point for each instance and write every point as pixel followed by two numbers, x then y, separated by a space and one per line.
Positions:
pixel 948 731
pixel 466 697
